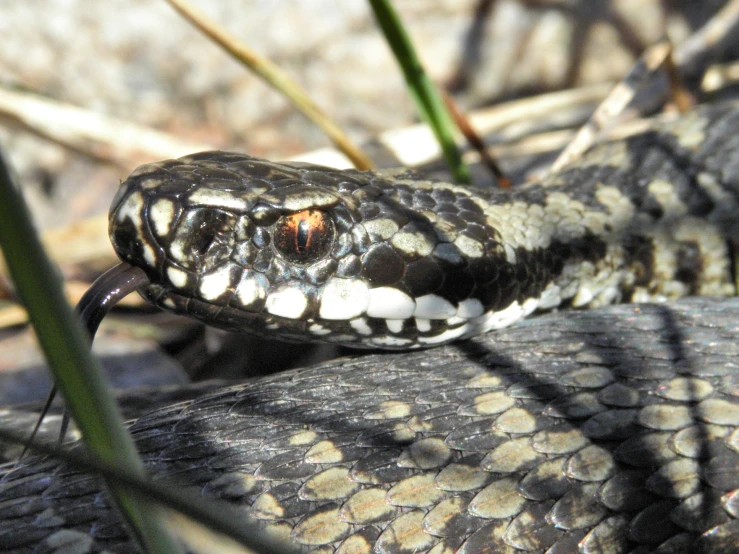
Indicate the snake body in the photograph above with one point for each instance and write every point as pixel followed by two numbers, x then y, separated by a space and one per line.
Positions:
pixel 609 430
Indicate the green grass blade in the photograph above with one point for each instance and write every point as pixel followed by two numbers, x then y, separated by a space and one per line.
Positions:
pixel 218 515
pixel 78 375
pixel 423 90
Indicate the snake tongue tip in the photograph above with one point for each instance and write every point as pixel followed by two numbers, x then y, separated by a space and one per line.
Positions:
pixel 107 290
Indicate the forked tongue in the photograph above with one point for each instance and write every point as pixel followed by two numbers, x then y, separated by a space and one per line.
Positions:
pixel 107 290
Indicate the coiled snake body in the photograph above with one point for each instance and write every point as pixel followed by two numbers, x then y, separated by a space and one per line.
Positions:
pixel 592 440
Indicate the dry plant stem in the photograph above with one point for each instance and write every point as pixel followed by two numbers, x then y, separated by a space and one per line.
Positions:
pixel 680 96
pixel 708 37
pixel 275 77
pixel 717 29
pixel 614 104
pixel 91 134
pixel 475 140
pixel 415 145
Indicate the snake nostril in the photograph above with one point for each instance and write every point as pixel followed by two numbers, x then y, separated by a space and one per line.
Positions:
pixel 203 238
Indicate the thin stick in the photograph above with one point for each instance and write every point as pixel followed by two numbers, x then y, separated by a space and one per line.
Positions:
pixel 717 29
pixel 614 103
pixel 713 33
pixel 476 141
pixel 273 76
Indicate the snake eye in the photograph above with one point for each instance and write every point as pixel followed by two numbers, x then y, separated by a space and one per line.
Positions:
pixel 304 237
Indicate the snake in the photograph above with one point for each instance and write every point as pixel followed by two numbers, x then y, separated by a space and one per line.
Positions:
pixel 474 446
pixel 366 260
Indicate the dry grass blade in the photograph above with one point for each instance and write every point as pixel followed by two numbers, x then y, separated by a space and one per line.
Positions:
pixel 415 145
pixel 680 96
pixel 89 133
pixel 614 104
pixel 275 77
pixel 700 43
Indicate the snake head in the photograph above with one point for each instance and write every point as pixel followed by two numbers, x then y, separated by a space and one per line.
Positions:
pixel 303 252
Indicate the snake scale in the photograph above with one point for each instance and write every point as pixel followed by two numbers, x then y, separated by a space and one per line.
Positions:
pixel 609 430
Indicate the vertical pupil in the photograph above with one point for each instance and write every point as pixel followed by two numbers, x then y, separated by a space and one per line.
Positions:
pixel 302 238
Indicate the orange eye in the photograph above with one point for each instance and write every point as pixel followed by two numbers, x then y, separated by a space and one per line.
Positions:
pixel 304 237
